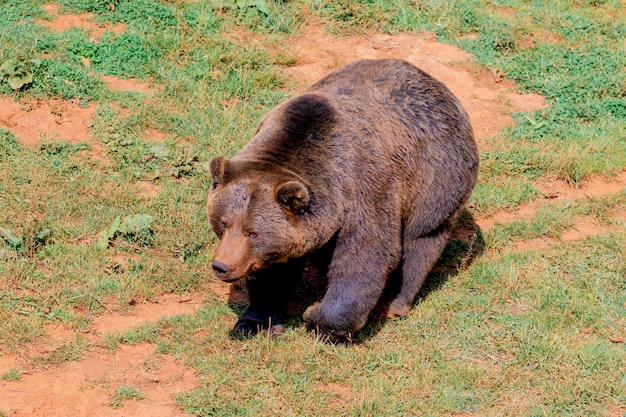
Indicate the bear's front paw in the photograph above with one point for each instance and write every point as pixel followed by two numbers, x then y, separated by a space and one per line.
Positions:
pixel 311 313
pixel 253 322
pixel 398 308
pixel 316 323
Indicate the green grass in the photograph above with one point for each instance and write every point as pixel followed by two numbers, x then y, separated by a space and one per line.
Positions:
pixel 12 375
pixel 125 393
pixel 521 333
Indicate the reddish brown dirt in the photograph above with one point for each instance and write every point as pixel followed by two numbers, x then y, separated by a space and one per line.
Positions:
pixel 60 22
pixel 489 100
pixel 167 305
pixel 595 187
pixel 147 189
pixel 618 412
pixel 33 122
pixel 342 394
pixel 87 386
pixel 130 84
pixel 555 191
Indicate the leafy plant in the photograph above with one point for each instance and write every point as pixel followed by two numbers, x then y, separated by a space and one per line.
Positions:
pixel 33 238
pixel 10 238
pixel 135 228
pixel 261 5
pixel 18 72
pixel 105 236
pixel 184 164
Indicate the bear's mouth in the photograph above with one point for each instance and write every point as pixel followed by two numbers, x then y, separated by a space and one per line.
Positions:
pixel 227 277
pixel 234 274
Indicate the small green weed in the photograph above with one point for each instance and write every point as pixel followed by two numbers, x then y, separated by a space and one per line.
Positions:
pixel 12 375
pixel 125 393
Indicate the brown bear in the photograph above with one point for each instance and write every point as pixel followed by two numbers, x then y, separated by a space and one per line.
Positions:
pixel 365 172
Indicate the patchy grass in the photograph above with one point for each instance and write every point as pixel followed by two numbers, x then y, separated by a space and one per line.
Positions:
pixel 519 333
pixel 552 220
pixel 125 393
pixel 12 375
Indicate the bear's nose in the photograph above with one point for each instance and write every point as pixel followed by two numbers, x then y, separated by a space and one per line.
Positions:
pixel 219 267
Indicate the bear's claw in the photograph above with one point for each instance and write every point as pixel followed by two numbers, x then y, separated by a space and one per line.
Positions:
pixel 253 322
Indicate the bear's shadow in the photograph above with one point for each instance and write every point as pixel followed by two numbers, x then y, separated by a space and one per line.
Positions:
pixel 465 245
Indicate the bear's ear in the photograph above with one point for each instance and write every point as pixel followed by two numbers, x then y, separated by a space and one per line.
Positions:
pixel 219 170
pixel 309 114
pixel 294 196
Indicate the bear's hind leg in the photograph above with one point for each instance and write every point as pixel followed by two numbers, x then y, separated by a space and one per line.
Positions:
pixel 419 255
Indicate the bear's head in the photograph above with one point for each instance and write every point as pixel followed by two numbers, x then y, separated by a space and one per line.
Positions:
pixel 254 208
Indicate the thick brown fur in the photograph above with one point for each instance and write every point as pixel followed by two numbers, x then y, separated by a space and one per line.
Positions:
pixel 372 164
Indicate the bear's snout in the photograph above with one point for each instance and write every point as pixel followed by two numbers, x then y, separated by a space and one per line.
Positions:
pixel 219 267
pixel 225 272
pixel 231 260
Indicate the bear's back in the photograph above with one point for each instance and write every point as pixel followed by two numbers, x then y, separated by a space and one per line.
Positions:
pixel 406 129
pixel 384 131
pixel 394 94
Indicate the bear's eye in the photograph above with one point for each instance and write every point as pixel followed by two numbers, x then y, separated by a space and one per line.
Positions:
pixel 223 224
pixel 252 234
pixel 214 185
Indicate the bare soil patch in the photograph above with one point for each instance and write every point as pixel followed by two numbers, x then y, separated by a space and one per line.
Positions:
pixel 148 189
pixel 555 191
pixel 60 22
pixel 582 229
pixel 130 84
pixel 153 135
pixel 35 121
pixel 594 187
pixel 88 387
pixel 165 306
pixel 342 394
pixel 488 98
pixel 617 412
